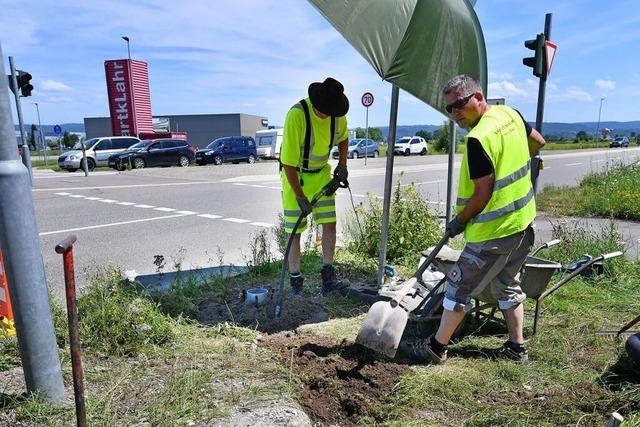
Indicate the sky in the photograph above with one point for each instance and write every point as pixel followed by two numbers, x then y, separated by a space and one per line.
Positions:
pixel 259 56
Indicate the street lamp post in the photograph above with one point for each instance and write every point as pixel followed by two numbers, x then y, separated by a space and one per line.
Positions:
pixel 44 145
pixel 599 113
pixel 125 38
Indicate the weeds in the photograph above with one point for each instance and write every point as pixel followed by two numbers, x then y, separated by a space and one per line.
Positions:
pixel 413 227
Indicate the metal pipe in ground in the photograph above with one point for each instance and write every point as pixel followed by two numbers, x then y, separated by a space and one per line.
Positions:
pixel 65 248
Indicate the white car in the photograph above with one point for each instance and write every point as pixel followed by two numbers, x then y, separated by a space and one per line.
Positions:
pixel 411 145
pixel 97 150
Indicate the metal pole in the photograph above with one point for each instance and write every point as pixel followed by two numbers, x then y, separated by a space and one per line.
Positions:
pixel 535 162
pixel 24 267
pixel 391 142
pixel 599 113
pixel 26 155
pixel 85 163
pixel 44 145
pixel 452 152
pixel 366 146
pixel 65 248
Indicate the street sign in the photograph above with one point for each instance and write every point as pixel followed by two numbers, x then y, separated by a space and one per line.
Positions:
pixel 550 50
pixel 57 129
pixel 367 99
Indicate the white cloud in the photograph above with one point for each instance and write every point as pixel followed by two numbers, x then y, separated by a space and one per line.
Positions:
pixel 505 89
pixel 605 85
pixel 500 76
pixel 575 93
pixel 54 86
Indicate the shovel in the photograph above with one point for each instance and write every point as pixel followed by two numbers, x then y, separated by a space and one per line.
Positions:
pixel 385 321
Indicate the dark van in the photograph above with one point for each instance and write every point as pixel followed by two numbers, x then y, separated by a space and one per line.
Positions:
pixel 228 149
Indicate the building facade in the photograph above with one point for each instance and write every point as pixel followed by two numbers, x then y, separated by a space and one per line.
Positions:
pixel 201 128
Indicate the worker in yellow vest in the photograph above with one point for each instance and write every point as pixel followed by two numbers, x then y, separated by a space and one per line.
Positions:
pixel 495 209
pixel 311 129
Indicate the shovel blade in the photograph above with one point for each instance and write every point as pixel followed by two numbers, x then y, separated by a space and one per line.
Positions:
pixel 382 328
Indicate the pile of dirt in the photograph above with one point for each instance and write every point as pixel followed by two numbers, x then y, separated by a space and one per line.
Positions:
pixel 341 383
pixel 295 311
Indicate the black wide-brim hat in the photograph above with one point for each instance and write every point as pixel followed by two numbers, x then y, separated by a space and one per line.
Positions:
pixel 328 97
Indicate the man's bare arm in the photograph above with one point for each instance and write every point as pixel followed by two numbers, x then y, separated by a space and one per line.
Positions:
pixel 536 142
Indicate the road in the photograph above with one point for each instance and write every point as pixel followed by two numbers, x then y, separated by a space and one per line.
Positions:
pixel 205 216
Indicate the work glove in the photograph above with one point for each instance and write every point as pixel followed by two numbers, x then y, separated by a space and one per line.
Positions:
pixel 340 173
pixel 305 205
pixel 455 227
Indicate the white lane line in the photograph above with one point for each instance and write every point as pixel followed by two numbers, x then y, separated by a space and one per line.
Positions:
pixel 126 203
pixel 77 196
pixel 92 187
pixel 93 198
pixel 210 216
pixel 258 185
pixel 108 201
pixel 113 224
pixel 187 212
pixel 165 209
pixel 239 183
pixel 236 220
pixel 275 188
pixel 573 164
pixel 63 194
pixel 144 206
pixel 263 224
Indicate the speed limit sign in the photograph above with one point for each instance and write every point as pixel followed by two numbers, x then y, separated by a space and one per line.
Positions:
pixel 367 99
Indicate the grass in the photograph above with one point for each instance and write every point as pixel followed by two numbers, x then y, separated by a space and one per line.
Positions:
pixel 613 193
pixel 146 364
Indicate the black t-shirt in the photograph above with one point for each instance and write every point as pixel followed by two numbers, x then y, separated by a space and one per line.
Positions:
pixel 479 163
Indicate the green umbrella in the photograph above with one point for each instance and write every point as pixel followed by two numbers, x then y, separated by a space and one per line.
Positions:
pixel 415 44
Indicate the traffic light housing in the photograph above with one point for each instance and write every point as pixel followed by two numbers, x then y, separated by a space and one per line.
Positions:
pixel 24 84
pixel 537 61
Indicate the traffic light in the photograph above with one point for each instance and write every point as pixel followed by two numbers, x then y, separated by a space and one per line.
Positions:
pixel 23 79
pixel 537 61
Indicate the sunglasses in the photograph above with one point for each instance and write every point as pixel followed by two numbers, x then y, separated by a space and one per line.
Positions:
pixel 458 104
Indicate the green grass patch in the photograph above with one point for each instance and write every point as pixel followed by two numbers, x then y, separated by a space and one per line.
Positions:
pixel 614 193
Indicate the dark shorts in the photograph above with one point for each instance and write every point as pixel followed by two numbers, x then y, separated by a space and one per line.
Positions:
pixel 496 262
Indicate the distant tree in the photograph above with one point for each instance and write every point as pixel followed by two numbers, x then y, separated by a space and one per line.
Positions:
pixel 581 136
pixel 32 137
pixel 69 139
pixel 424 134
pixel 442 138
pixel 374 133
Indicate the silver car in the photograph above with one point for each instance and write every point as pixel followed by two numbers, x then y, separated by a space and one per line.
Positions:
pixel 97 150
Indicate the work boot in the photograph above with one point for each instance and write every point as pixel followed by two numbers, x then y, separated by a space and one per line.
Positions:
pixel 424 351
pixel 510 351
pixel 329 281
pixel 296 284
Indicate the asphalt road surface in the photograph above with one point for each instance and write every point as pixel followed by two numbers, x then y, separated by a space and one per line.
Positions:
pixel 203 216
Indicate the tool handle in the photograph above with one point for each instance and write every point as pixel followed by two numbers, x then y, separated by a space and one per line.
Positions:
pixel 406 288
pixel 611 255
pixel 432 255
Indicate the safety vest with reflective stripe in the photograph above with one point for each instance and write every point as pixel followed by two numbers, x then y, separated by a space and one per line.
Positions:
pixel 512 205
pixel 318 153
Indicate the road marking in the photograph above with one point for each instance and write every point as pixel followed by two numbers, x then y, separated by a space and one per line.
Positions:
pixel 164 209
pixel 108 201
pixel 573 164
pixel 421 183
pixel 63 194
pixel 126 203
pixel 258 185
pixel 144 206
pixel 275 188
pixel 77 196
pixel 210 216
pixel 113 224
pixel 262 224
pixel 187 212
pixel 239 183
pixel 236 220
pixel 94 198
pixel 93 187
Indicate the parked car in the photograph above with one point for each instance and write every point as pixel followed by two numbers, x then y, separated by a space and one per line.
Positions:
pixel 98 151
pixel 228 149
pixel 154 152
pixel 411 145
pixel 268 142
pixel 619 141
pixel 359 147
